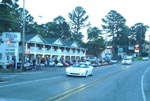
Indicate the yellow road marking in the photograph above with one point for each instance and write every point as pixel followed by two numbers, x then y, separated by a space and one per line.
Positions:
pixel 70 92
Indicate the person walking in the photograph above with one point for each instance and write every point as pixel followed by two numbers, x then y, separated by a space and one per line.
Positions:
pixel 33 62
pixel 14 63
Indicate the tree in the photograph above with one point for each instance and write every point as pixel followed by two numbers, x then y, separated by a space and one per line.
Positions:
pixel 11 17
pixel 114 24
pixel 63 28
pixel 8 20
pixel 95 44
pixel 123 37
pixel 93 33
pixel 58 28
pixel 78 20
pixel 138 32
pixel 95 47
pixel 30 25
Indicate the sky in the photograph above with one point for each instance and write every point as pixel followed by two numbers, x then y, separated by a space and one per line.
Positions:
pixel 134 11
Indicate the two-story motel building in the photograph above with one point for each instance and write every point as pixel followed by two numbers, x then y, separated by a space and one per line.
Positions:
pixel 37 47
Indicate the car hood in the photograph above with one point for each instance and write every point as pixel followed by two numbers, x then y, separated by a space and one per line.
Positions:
pixel 76 69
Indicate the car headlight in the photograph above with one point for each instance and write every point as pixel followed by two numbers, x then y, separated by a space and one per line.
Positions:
pixel 67 69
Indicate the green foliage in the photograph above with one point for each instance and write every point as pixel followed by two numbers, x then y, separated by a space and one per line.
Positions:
pixel 78 20
pixel 63 28
pixel 138 32
pixel 95 47
pixel 144 54
pixel 8 20
pixel 96 42
pixel 123 36
pixel 93 33
pixel 114 24
pixel 58 28
pixel 11 17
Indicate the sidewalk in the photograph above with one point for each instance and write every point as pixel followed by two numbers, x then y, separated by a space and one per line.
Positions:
pixel 4 76
pixel 54 68
pixel 9 72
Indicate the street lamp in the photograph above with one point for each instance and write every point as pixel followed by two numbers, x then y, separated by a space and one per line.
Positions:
pixel 23 36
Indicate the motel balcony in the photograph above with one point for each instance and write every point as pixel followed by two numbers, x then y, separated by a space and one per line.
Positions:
pixel 51 51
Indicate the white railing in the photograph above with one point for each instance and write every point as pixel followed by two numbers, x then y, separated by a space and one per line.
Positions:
pixel 37 50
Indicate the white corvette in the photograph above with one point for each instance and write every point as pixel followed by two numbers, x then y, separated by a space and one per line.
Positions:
pixel 80 70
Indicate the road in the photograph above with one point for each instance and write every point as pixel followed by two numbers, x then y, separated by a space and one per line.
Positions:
pixel 109 83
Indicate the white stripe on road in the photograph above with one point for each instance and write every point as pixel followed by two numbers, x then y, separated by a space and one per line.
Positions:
pixel 142 83
pixel 21 83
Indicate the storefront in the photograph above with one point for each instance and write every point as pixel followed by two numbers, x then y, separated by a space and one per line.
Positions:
pixel 37 47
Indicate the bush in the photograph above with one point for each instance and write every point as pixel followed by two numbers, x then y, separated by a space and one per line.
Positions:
pixel 144 54
pixel 138 58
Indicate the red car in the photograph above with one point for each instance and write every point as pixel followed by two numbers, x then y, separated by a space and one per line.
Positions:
pixel 65 64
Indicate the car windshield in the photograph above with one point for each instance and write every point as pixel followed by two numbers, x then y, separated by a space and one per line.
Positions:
pixel 127 59
pixel 80 65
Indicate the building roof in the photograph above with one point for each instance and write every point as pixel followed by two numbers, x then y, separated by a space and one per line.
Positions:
pixel 29 36
pixel 52 41
pixel 71 44
pixel 34 38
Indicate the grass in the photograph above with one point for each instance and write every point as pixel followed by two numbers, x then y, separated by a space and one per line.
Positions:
pixel 138 58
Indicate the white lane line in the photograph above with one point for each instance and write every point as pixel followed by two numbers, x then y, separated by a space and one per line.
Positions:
pixel 142 83
pixel 9 76
pixel 21 83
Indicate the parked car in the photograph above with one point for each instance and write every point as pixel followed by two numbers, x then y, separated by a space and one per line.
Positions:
pixel 59 64
pixel 145 58
pixel 127 61
pixel 69 62
pixel 27 65
pixel 65 64
pixel 114 61
pixel 94 64
pixel 79 70
pixel 107 60
pixel 8 64
pixel 51 63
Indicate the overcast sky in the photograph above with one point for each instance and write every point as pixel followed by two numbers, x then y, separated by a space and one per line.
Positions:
pixel 133 11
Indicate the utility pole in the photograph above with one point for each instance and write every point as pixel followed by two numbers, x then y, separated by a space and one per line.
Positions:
pixel 23 37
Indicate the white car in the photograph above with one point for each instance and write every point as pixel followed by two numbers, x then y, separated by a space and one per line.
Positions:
pixel 59 64
pixel 79 70
pixel 145 58
pixel 127 61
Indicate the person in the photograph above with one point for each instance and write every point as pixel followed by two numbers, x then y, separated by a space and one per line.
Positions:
pixel 14 62
pixel 42 63
pixel 34 61
pixel 56 61
pixel 47 61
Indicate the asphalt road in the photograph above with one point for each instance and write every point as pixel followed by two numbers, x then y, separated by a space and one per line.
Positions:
pixel 109 83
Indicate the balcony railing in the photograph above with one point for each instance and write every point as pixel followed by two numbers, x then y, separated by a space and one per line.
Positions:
pixel 52 51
